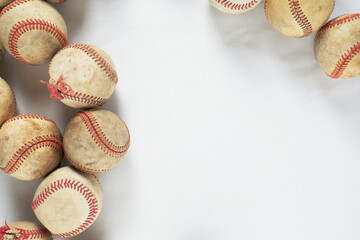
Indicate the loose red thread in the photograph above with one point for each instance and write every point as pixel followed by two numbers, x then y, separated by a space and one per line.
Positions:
pixel 28 25
pixel 34 144
pixel 105 144
pixel 345 60
pixel 3 230
pixel 79 187
pixel 59 89
pixel 236 6
pixel 22 233
pixel 300 17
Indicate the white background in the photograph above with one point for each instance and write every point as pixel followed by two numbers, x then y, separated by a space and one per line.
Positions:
pixel 236 131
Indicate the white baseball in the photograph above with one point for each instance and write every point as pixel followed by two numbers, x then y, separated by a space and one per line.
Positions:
pixel 68 201
pixel 32 31
pixel 82 76
pixel 235 6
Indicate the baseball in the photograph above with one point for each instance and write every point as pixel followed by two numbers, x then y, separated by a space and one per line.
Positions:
pixel 7 102
pixel 298 18
pixel 30 146
pixel 96 140
pixel 32 31
pixel 337 47
pixel 24 231
pixel 234 6
pixel 82 76
pixel 68 201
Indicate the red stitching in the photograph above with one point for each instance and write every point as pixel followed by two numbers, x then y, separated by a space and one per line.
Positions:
pixel 32 24
pixel 85 169
pixel 13 5
pixel 79 187
pixel 34 144
pixel 84 98
pixel 236 6
pixel 106 145
pixel 345 60
pixel 58 87
pixel 99 60
pixel 24 234
pixel 61 90
pixel 29 116
pixel 300 17
pixel 334 23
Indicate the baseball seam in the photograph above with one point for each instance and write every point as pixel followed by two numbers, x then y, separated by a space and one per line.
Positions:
pixel 28 116
pixel 32 24
pixel 300 17
pixel 79 187
pixel 40 142
pixel 347 19
pixel 344 60
pixel 13 5
pixel 85 169
pixel 236 6
pixel 24 234
pixel 99 137
pixel 99 60
pixel 61 90
pixel 84 98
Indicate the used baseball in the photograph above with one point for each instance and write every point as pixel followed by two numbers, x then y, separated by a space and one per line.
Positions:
pixel 7 102
pixel 82 76
pixel 68 201
pixel 32 31
pixel 337 47
pixel 96 140
pixel 298 18
pixel 30 146
pixel 235 6
pixel 24 231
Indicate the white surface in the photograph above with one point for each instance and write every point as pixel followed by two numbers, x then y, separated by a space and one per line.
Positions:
pixel 236 131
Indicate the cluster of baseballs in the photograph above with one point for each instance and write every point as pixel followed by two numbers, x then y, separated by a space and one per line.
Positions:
pixel 69 199
pixel 337 43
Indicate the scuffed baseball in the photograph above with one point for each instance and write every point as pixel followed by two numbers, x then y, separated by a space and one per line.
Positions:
pixel 298 18
pixel 96 140
pixel 25 231
pixel 82 76
pixel 68 201
pixel 235 6
pixel 32 31
pixel 7 102
pixel 30 146
pixel 337 47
